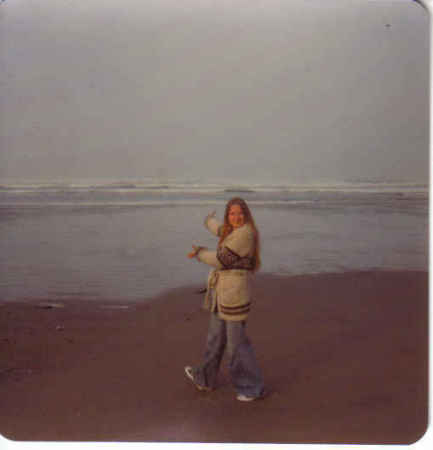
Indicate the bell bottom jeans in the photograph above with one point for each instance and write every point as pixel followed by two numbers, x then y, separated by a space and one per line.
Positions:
pixel 244 371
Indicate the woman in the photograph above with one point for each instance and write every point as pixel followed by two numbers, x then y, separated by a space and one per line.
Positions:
pixel 228 299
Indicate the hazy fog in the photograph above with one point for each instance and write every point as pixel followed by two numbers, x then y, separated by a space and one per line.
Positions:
pixel 268 90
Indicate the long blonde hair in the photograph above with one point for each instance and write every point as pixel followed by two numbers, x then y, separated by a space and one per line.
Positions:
pixel 227 228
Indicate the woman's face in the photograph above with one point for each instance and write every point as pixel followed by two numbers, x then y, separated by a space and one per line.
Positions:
pixel 236 216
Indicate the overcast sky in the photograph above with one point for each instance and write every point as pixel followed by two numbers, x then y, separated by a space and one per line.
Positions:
pixel 249 90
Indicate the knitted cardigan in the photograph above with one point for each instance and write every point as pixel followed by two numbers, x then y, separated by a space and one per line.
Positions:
pixel 228 290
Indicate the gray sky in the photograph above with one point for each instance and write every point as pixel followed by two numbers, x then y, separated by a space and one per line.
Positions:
pixel 250 90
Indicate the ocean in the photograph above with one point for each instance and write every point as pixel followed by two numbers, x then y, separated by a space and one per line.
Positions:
pixel 128 241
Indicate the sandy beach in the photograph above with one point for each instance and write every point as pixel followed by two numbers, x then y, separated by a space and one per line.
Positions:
pixel 344 358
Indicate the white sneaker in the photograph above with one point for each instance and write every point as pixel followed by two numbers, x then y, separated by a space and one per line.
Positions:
pixel 245 398
pixel 189 374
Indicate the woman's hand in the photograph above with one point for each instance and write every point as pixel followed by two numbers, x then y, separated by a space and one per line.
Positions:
pixel 195 251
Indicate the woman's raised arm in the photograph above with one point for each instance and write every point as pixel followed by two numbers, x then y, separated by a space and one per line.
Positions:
pixel 212 224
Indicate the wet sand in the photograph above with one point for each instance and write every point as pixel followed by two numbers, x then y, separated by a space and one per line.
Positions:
pixel 344 358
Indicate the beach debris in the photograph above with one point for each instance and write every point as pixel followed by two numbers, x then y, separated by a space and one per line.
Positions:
pixel 47 305
pixel 115 306
pixel 201 290
pixel 16 371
